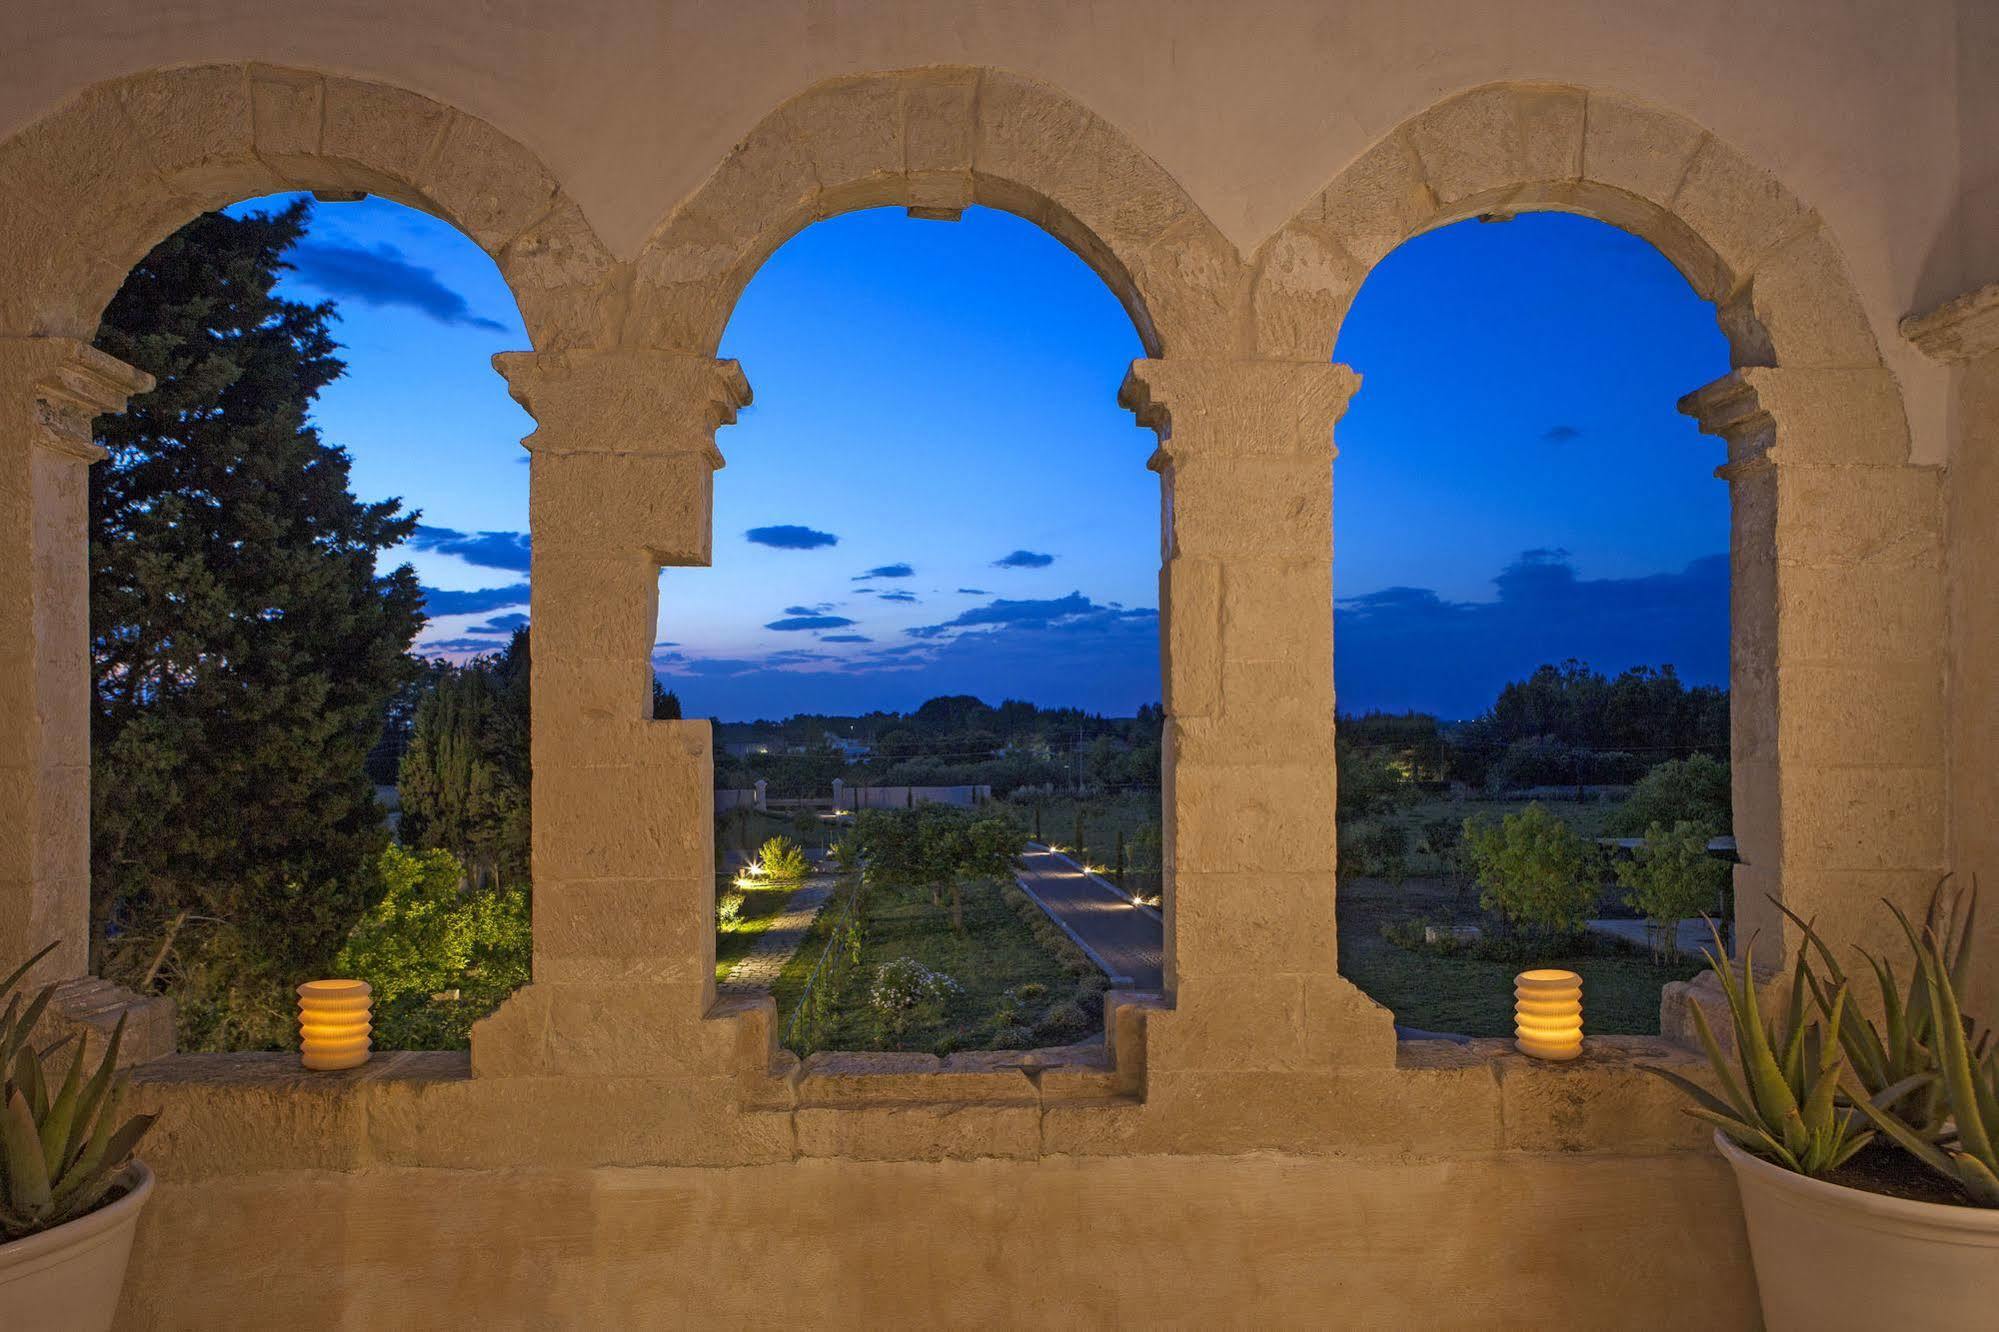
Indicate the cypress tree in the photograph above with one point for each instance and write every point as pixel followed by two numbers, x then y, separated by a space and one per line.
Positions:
pixel 245 647
pixel 465 782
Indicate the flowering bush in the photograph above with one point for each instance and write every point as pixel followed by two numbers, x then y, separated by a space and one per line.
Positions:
pixel 728 908
pixel 906 992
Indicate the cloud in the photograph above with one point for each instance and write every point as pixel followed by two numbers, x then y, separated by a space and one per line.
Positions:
pixel 502 624
pixel 973 592
pixel 819 609
pixel 886 571
pixel 798 622
pixel 1024 559
pixel 488 550
pixel 437 601
pixel 381 276
pixel 1407 647
pixel 1561 434
pixel 1004 611
pixel 790 536
pixel 897 595
pixel 458 647
pixel 845 638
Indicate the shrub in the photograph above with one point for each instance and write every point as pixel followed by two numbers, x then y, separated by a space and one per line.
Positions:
pixel 1671 877
pixel 728 908
pixel 782 861
pixel 1031 991
pixel 1534 870
pixel 906 992
pixel 1093 984
pixel 1691 790
pixel 1062 1019
pixel 1012 1038
pixel 1373 849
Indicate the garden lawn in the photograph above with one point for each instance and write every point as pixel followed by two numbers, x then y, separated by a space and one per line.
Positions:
pixel 759 905
pixel 997 953
pixel 1472 996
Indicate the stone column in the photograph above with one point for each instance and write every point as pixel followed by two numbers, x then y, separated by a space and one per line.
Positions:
pixel 1246 646
pixel 1964 334
pixel 50 391
pixel 1837 653
pixel 623 461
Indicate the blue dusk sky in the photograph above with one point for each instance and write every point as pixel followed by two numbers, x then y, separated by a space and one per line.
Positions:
pixel 936 492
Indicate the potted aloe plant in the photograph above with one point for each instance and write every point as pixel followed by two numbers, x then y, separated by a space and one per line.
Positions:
pixel 70 1192
pixel 1864 1154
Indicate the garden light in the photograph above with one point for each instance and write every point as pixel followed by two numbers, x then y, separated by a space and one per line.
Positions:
pixel 1548 1014
pixel 333 1023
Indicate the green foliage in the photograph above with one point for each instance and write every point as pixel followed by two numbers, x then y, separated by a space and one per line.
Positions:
pixel 665 703
pixel 1671 877
pixel 61 1144
pixel 429 935
pixel 939 847
pixel 1569 723
pixel 244 646
pixel 466 778
pixel 1534 870
pixel 1784 1105
pixel 728 909
pixel 783 861
pixel 1690 790
pixel 1373 849
pixel 1370 784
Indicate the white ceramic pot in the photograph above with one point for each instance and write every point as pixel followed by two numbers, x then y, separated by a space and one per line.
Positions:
pixel 1829 1257
pixel 68 1278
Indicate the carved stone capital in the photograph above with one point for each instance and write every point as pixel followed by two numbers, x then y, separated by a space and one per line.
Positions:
pixel 1730 410
pixel 1833 416
pixel 625 401
pixel 70 384
pixel 1963 329
pixel 1243 408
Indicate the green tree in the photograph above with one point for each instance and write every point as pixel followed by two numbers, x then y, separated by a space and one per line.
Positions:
pixel 1671 877
pixel 1689 790
pixel 429 937
pixel 1534 870
pixel 465 781
pixel 783 861
pixel 665 703
pixel 244 645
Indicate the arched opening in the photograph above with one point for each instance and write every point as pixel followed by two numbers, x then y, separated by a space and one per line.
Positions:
pixel 308 585
pixel 930 637
pixel 1532 580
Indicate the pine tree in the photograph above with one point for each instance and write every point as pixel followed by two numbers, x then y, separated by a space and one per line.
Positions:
pixel 245 648
pixel 465 782
pixel 665 703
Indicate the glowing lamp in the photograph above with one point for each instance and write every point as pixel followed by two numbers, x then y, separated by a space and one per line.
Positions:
pixel 1548 1014
pixel 333 1023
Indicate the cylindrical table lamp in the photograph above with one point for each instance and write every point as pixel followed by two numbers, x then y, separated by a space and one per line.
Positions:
pixel 333 1023
pixel 1548 1014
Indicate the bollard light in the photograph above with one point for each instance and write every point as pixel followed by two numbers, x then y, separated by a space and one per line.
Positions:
pixel 1548 1013
pixel 333 1023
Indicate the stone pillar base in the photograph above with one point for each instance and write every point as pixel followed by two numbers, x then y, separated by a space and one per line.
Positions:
pixel 89 1008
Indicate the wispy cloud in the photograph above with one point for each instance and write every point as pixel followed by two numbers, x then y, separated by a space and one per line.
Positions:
pixel 887 571
pixel 437 601
pixel 801 622
pixel 1561 434
pixel 790 536
pixel 897 595
pixel 500 624
pixel 819 609
pixel 511 551
pixel 1024 559
pixel 973 592
pixel 845 638
pixel 381 276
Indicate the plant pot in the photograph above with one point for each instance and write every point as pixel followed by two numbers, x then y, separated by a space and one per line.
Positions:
pixel 1830 1257
pixel 70 1277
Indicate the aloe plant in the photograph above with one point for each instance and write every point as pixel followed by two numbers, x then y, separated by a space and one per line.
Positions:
pixel 60 1149
pixel 1966 1070
pixel 1784 1106
pixel 1903 1049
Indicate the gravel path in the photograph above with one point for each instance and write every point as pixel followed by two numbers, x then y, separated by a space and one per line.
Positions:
pixel 761 966
pixel 1128 941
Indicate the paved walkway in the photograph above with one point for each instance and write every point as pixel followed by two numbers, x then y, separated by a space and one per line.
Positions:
pixel 760 967
pixel 1125 939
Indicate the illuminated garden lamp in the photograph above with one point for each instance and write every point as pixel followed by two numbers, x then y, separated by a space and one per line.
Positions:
pixel 333 1023
pixel 1548 1014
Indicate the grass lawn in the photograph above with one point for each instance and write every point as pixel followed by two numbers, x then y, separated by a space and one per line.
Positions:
pixel 1472 996
pixel 759 905
pixel 1000 950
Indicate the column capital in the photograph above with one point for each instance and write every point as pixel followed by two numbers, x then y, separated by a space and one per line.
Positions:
pixel 70 383
pixel 1280 408
pixel 627 401
pixel 1827 417
pixel 1963 329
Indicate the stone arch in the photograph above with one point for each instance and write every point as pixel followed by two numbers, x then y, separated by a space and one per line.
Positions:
pixel 88 189
pixel 1836 635
pixel 935 140
pixel 1742 239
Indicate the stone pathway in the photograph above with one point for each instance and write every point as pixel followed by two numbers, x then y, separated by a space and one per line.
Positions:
pixel 760 967
pixel 1127 940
